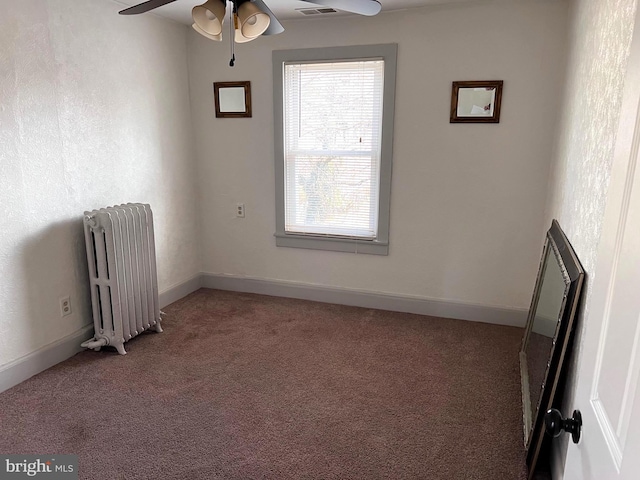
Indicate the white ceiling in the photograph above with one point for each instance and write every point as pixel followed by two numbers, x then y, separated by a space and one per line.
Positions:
pixel 180 10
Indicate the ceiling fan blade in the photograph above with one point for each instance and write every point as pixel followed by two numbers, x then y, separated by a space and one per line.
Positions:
pixel 144 7
pixel 361 7
pixel 275 26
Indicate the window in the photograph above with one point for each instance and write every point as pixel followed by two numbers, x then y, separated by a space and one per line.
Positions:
pixel 333 110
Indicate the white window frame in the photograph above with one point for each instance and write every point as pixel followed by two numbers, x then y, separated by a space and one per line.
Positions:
pixel 388 52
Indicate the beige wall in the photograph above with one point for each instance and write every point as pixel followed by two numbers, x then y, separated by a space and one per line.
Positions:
pixel 599 40
pixel 467 201
pixel 94 111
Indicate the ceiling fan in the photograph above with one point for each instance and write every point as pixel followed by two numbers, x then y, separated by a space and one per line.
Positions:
pixel 248 18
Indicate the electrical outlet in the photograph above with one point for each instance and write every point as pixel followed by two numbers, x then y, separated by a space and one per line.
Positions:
pixel 65 306
pixel 240 210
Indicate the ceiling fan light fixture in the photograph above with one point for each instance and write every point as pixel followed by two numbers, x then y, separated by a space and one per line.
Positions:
pixel 253 21
pixel 217 38
pixel 209 17
pixel 238 37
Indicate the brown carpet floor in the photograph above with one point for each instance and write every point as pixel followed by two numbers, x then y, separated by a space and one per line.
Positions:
pixel 243 386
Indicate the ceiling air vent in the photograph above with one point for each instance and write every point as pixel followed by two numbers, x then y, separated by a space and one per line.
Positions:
pixel 315 11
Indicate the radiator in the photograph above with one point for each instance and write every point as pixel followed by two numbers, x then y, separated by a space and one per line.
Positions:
pixel 122 271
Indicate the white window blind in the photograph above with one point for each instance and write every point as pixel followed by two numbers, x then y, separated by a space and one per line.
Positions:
pixel 332 138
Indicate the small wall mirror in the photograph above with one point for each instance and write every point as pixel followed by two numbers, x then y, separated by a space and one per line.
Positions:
pixel 476 101
pixel 549 325
pixel 232 99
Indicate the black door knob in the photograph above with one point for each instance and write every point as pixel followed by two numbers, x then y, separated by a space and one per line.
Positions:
pixel 554 424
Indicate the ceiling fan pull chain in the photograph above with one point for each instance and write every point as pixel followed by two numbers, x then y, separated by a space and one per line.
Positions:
pixel 232 28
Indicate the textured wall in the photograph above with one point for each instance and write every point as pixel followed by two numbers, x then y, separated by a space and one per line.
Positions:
pixel 467 201
pixel 600 36
pixel 94 110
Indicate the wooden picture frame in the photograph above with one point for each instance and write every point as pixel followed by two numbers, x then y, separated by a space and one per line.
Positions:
pixel 550 323
pixel 232 99
pixel 476 101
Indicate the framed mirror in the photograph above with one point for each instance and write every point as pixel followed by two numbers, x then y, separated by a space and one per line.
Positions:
pixel 232 99
pixel 549 325
pixel 476 101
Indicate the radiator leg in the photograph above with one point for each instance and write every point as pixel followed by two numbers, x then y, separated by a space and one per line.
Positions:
pixel 157 325
pixel 120 348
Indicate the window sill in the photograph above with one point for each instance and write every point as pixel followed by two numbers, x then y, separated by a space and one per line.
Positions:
pixel 370 247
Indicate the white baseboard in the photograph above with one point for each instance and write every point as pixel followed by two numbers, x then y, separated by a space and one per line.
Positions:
pixel 179 290
pixel 45 357
pixel 515 317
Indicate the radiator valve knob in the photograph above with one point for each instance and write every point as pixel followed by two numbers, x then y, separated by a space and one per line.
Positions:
pixel 91 221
